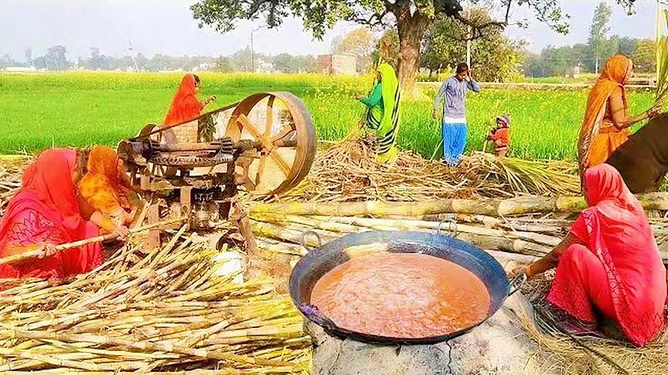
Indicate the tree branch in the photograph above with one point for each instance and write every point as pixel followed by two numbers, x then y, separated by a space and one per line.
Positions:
pixel 390 6
pixel 478 29
pixel 375 19
pixel 510 3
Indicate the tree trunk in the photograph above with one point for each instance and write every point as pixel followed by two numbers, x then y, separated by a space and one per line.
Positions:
pixel 411 28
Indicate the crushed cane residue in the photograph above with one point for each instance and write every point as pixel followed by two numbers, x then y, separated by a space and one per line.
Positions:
pixel 401 295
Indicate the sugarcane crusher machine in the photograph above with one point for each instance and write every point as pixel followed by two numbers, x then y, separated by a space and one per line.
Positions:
pixel 263 145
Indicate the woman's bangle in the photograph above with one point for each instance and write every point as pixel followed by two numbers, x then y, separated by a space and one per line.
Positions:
pixel 527 271
pixel 118 217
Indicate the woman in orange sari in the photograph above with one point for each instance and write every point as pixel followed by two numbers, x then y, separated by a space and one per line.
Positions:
pixel 607 120
pixel 105 186
pixel 49 210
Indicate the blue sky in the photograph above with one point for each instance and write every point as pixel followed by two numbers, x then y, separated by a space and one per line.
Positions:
pixel 166 26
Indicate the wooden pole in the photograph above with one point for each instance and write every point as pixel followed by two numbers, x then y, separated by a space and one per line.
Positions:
pixel 35 253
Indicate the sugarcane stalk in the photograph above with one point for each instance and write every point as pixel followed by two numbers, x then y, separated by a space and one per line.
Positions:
pixel 489 207
pixel 256 334
pixel 281 247
pixel 288 234
pixel 481 237
pixel 420 224
pixel 107 237
pixel 393 225
pixel 52 360
pixel 315 222
pixel 226 371
pixel 127 343
pixel 506 258
pixel 536 225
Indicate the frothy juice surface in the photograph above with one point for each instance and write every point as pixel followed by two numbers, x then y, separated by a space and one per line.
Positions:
pixel 401 295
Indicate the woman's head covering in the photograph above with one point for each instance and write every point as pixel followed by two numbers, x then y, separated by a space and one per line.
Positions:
pixel 604 184
pixel 46 209
pixel 618 69
pixel 50 178
pixel 185 106
pixel 505 119
pixel 103 161
pixel 101 185
pixel 616 72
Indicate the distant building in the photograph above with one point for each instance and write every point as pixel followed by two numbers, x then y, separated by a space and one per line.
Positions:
pixel 264 66
pixel 573 72
pixel 20 69
pixel 203 67
pixel 336 64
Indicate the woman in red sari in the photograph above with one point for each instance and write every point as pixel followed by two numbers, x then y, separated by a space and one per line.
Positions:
pixel 609 264
pixel 47 211
pixel 185 106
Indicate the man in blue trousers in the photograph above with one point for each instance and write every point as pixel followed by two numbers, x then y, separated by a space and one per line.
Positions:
pixel 453 92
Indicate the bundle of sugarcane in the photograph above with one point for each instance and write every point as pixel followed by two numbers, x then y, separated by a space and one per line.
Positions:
pixel 527 225
pixel 525 236
pixel 171 310
pixel 11 169
pixel 528 176
pixel 347 171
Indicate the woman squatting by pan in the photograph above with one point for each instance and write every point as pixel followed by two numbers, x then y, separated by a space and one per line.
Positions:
pixel 609 266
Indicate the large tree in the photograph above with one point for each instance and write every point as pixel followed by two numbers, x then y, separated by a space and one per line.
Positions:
pixel 625 45
pixel 494 57
pixel 411 17
pixel 360 43
pixel 644 57
pixel 286 63
pixel 56 58
pixel 599 44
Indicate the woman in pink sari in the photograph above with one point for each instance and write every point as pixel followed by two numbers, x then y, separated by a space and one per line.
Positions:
pixel 609 264
pixel 48 211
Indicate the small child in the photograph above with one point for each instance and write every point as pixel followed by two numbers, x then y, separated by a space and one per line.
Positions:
pixel 501 136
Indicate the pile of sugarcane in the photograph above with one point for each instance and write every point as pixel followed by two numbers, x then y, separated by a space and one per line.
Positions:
pixel 170 310
pixel 529 225
pixel 347 171
pixel 11 169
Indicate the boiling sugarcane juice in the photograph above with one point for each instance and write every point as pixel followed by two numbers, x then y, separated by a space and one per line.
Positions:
pixel 402 295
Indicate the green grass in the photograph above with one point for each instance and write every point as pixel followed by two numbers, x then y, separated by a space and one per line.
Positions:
pixel 77 109
pixel 586 78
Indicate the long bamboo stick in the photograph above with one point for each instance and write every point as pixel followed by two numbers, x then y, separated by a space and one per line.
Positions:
pixel 107 237
pixel 489 207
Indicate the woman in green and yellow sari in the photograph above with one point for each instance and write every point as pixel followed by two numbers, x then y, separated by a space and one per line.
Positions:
pixel 383 113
